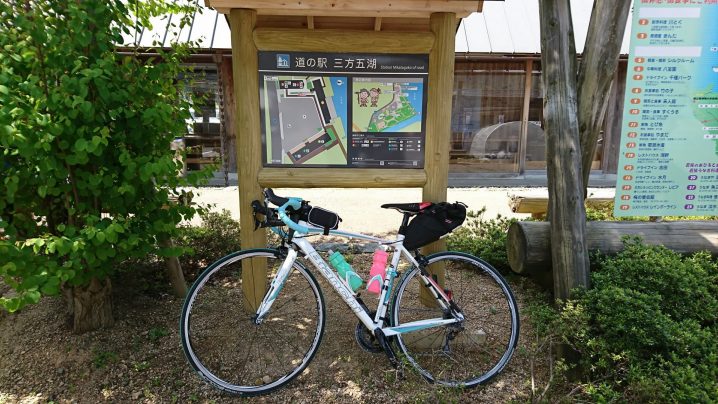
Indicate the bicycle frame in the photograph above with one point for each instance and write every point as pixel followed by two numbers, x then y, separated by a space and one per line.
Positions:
pixel 340 286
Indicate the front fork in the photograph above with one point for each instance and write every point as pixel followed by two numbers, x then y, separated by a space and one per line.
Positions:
pixel 276 286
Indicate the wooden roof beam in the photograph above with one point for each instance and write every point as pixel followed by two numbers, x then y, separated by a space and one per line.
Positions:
pixel 351 8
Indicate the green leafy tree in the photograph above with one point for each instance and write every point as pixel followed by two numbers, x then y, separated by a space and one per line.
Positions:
pixel 87 173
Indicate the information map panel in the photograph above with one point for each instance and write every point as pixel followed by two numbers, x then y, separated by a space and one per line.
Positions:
pixel 342 110
pixel 668 163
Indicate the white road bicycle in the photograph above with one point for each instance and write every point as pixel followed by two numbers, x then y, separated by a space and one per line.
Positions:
pixel 460 334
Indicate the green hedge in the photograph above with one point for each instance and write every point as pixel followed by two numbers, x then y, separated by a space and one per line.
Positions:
pixel 647 329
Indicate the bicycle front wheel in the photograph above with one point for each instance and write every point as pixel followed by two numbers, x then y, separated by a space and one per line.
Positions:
pixel 463 354
pixel 224 344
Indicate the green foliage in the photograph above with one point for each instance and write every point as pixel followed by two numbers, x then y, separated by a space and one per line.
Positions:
pixel 648 328
pixel 216 237
pixel 604 212
pixel 102 358
pixel 483 238
pixel 156 333
pixel 85 163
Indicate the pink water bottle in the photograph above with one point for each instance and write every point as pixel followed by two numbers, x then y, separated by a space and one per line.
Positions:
pixel 378 270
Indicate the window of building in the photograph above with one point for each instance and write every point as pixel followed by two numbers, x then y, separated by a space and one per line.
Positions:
pixel 203 138
pixel 486 117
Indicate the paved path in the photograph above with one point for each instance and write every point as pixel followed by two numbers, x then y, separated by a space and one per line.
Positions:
pixel 360 208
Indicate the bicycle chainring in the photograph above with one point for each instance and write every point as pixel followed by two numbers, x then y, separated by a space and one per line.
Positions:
pixel 366 339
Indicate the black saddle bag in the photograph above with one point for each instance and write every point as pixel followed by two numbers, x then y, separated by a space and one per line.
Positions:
pixel 433 222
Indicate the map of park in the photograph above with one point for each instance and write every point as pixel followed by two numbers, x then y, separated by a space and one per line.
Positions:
pixel 389 105
pixel 705 109
pixel 305 120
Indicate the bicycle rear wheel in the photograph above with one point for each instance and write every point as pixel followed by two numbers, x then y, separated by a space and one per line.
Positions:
pixel 464 354
pixel 221 340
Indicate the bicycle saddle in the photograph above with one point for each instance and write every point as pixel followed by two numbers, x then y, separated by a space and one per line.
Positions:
pixel 412 208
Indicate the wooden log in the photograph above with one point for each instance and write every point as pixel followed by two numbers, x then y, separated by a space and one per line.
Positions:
pixel 529 249
pixel 538 207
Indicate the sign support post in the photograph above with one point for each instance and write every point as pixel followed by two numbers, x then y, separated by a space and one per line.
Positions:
pixel 249 149
pixel 438 126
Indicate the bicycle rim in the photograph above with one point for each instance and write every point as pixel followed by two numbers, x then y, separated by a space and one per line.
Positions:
pixel 221 340
pixel 459 355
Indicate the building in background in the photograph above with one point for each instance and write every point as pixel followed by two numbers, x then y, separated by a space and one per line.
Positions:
pixel 497 115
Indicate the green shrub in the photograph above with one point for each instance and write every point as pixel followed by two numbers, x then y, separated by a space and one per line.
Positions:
pixel 604 212
pixel 484 238
pixel 216 237
pixel 647 330
pixel 85 164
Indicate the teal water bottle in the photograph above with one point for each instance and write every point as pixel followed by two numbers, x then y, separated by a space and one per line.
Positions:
pixel 346 273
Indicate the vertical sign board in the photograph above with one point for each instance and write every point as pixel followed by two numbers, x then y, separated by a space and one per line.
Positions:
pixel 668 162
pixel 342 110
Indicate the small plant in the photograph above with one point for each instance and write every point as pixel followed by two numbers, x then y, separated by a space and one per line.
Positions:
pixel 156 333
pixel 484 238
pixel 103 358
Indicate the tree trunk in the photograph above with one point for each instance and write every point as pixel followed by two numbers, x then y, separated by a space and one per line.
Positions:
pixel 598 67
pixel 174 271
pixel 567 214
pixel 91 306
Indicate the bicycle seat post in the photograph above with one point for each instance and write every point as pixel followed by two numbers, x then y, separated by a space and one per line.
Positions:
pixel 404 223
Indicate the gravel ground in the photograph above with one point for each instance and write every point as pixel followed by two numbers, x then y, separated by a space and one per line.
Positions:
pixel 140 359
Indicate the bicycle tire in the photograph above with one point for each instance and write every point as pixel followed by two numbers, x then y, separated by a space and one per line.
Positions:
pixel 448 355
pixel 224 345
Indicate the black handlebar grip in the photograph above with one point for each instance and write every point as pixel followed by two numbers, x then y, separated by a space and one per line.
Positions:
pixel 277 200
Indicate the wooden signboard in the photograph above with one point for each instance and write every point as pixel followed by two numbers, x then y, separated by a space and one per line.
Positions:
pixel 370 27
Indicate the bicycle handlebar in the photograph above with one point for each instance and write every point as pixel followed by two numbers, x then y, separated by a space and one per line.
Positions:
pixel 284 203
pixel 272 197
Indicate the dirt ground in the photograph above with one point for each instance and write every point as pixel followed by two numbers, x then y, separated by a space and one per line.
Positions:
pixel 140 359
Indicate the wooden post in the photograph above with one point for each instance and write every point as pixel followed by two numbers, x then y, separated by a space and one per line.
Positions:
pixel 567 214
pixel 614 121
pixel 523 138
pixel 249 148
pixel 230 114
pixel 598 66
pixel 438 123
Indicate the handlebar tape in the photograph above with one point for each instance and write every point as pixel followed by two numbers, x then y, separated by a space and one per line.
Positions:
pixel 276 200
